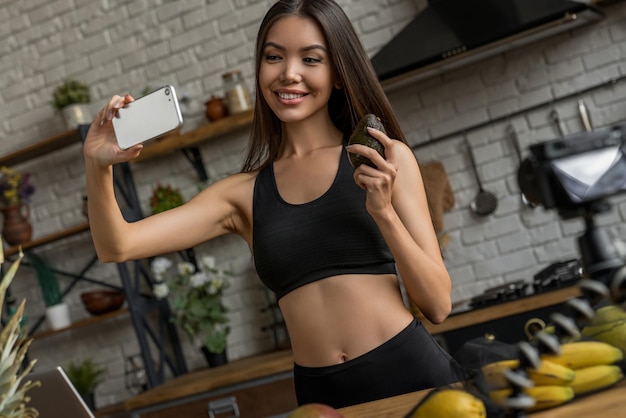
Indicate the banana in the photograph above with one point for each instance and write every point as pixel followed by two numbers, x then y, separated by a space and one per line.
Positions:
pixel 581 354
pixel 450 403
pixel 548 373
pixel 545 396
pixel 493 373
pixel 594 378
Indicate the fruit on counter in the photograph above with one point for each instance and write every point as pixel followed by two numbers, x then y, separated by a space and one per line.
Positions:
pixel 545 397
pixel 581 354
pixel 609 326
pixel 361 136
pixel 595 378
pixel 450 403
pixel 607 315
pixel 315 410
pixel 548 373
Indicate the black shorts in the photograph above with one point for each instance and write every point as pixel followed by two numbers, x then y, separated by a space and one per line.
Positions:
pixel 410 361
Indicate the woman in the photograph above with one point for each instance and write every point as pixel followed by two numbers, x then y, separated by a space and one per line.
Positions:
pixel 329 240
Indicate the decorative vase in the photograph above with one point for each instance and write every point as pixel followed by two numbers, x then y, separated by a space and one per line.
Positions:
pixel 90 400
pixel 58 316
pixel 216 108
pixel 16 227
pixel 214 359
pixel 76 114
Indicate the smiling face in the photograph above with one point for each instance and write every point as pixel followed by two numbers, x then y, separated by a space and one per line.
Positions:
pixel 296 75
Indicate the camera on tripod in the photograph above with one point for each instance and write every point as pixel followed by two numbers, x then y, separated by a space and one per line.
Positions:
pixel 575 175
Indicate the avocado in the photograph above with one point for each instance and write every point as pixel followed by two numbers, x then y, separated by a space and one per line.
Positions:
pixel 361 136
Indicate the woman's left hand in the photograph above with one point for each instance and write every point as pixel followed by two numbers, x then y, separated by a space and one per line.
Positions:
pixel 379 181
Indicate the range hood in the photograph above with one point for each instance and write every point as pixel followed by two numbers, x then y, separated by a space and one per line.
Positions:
pixel 448 34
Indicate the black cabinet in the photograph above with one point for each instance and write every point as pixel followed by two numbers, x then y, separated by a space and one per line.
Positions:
pixel 508 329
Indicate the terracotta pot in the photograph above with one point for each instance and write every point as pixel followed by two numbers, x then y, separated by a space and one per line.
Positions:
pixel 216 108
pixel 16 227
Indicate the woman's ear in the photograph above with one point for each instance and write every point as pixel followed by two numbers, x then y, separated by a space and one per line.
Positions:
pixel 338 85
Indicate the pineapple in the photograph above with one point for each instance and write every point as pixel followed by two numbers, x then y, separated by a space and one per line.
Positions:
pixel 13 348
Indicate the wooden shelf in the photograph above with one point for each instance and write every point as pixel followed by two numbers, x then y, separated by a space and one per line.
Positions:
pixel 81 324
pixel 48 238
pixel 41 148
pixel 174 142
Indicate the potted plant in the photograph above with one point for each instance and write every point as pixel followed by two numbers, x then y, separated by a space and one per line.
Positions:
pixel 13 350
pixel 71 99
pixel 15 192
pixel 57 311
pixel 86 375
pixel 197 306
pixel 165 197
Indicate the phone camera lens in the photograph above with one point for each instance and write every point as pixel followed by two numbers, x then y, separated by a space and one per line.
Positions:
pixel 167 92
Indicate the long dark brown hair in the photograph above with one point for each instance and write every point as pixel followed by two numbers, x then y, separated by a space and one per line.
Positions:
pixel 361 93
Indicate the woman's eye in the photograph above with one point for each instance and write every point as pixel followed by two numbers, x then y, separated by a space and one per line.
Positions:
pixel 310 60
pixel 271 57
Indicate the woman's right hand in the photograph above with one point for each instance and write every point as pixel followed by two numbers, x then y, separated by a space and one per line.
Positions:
pixel 101 144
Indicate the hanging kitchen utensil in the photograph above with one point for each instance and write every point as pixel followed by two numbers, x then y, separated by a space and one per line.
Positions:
pixel 485 203
pixel 515 140
pixel 584 115
pixel 554 115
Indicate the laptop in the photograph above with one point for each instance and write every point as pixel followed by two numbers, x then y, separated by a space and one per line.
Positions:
pixel 56 397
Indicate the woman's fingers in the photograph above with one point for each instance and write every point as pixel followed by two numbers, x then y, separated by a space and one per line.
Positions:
pixel 100 143
pixel 377 181
pixel 388 162
pixel 111 109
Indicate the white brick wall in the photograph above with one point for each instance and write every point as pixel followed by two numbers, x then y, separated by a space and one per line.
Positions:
pixel 119 46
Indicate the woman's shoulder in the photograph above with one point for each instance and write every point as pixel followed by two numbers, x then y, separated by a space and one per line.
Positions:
pixel 237 182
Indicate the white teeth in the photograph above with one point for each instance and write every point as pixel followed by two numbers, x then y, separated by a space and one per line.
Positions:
pixel 289 96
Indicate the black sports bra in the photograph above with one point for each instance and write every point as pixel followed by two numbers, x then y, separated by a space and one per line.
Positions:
pixel 294 245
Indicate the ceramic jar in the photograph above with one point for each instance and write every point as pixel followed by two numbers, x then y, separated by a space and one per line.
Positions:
pixel 238 97
pixel 216 108
pixel 16 227
pixel 75 115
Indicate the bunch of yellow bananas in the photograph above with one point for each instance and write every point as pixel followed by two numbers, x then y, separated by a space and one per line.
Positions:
pixel 580 368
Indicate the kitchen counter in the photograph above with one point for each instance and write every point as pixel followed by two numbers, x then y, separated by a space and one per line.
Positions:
pixel 210 379
pixel 610 402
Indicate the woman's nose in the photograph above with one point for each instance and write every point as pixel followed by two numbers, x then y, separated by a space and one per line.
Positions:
pixel 291 73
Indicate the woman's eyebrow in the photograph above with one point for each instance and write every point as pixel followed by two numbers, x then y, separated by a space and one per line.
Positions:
pixel 306 48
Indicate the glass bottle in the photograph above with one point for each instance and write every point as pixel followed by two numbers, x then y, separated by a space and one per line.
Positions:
pixel 237 94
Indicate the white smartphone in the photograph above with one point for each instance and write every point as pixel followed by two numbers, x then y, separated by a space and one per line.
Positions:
pixel 148 117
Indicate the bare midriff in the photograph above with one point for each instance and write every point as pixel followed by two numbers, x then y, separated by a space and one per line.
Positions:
pixel 339 318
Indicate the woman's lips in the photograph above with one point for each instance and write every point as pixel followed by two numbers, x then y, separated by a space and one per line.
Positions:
pixel 290 98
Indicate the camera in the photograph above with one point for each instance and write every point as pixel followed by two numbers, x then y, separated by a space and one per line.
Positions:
pixel 575 174
pixel 167 92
